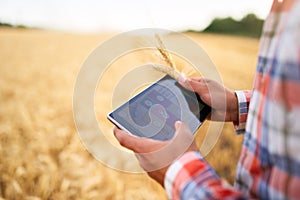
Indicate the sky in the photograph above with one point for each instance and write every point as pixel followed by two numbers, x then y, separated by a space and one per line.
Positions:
pixel 125 15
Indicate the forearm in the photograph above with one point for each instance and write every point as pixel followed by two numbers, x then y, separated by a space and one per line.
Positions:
pixel 191 177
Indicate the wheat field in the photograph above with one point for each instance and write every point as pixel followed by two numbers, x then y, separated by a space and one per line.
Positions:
pixel 41 155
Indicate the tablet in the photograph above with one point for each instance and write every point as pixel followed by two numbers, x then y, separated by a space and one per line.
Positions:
pixel 153 112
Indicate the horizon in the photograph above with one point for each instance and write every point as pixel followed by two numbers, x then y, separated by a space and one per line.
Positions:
pixel 114 16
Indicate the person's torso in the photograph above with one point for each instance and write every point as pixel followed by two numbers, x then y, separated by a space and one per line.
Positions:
pixel 269 165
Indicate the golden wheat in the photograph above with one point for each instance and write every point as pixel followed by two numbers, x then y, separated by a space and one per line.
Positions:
pixel 170 68
pixel 41 155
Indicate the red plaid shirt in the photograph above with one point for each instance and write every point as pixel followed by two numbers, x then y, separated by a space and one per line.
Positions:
pixel 269 165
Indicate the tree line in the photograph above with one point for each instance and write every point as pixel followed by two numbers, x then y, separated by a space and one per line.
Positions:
pixel 2 24
pixel 250 26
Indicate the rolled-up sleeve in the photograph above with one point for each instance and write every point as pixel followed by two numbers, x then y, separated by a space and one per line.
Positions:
pixel 243 102
pixel 191 177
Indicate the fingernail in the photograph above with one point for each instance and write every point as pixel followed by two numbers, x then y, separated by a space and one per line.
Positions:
pixel 177 124
pixel 182 78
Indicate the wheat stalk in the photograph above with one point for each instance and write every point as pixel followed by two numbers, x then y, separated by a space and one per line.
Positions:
pixel 171 68
pixel 164 53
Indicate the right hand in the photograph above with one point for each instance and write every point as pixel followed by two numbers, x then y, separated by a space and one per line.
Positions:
pixel 156 156
pixel 223 101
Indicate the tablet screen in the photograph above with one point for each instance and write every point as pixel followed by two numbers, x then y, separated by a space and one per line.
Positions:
pixel 153 112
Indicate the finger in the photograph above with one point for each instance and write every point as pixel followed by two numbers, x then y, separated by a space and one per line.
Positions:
pixel 182 131
pixel 181 78
pixel 179 125
pixel 199 79
pixel 196 85
pixel 193 84
pixel 186 83
pixel 182 140
pixel 126 140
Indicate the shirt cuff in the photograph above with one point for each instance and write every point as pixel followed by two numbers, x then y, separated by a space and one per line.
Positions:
pixel 243 102
pixel 177 175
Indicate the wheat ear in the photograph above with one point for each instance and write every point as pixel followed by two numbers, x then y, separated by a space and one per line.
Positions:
pixel 171 68
pixel 164 53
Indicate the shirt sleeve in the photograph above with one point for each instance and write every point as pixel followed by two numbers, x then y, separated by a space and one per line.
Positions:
pixel 191 177
pixel 243 102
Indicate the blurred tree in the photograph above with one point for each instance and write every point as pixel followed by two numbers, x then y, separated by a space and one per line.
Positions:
pixel 10 25
pixel 250 25
pixel 5 24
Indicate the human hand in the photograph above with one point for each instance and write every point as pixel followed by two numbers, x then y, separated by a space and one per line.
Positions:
pixel 223 101
pixel 155 156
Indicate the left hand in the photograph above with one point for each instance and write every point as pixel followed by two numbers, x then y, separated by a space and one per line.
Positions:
pixel 155 156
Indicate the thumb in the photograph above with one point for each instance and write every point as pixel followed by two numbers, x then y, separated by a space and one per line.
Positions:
pixel 126 140
pixel 178 125
pixel 191 84
pixel 195 85
pixel 182 130
pixel 182 141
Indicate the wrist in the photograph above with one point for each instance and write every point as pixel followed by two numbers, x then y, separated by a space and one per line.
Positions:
pixel 233 107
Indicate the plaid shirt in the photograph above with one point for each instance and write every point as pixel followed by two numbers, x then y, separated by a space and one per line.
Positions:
pixel 269 165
